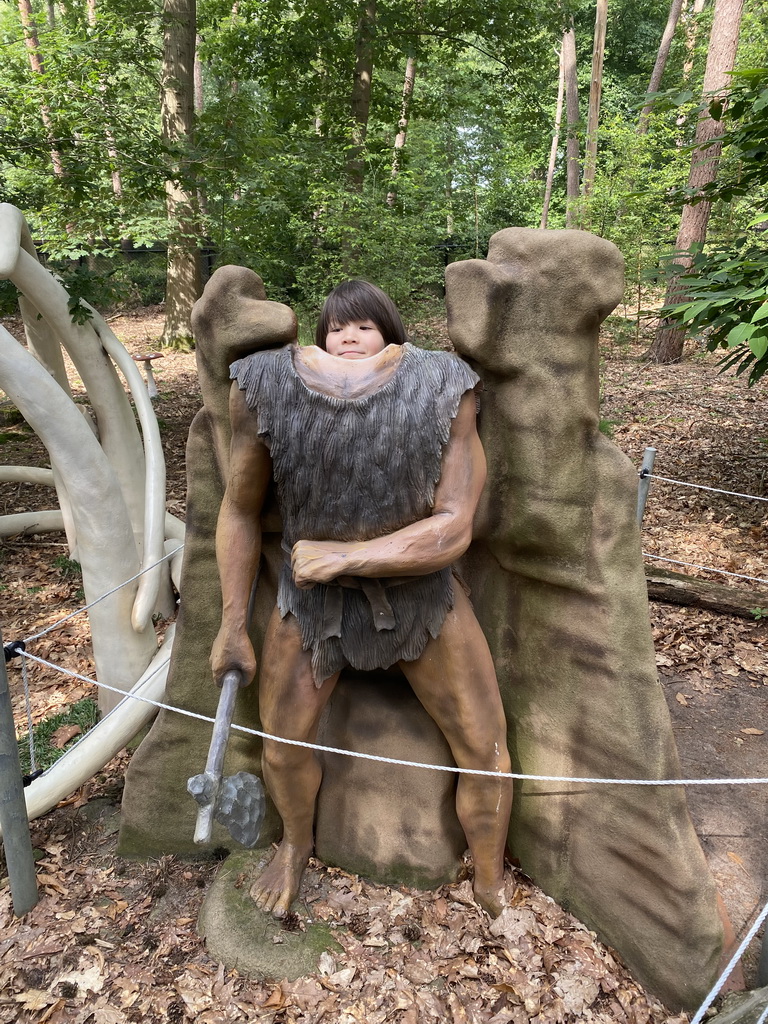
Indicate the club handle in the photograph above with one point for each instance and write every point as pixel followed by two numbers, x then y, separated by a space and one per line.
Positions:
pixel 230 684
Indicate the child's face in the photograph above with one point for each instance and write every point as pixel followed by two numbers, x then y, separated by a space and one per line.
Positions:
pixel 356 340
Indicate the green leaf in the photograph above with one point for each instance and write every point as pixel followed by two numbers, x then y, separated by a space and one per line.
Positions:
pixel 739 334
pixel 758 345
pixel 761 314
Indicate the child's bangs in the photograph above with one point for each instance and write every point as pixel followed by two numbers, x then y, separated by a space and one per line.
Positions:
pixel 344 309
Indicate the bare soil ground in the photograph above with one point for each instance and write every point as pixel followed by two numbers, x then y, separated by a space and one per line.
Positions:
pixel 112 941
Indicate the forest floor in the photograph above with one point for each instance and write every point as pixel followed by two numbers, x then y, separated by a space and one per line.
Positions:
pixel 114 941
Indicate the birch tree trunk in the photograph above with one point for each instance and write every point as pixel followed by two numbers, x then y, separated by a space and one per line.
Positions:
pixel 360 100
pixel 573 170
pixel 555 142
pixel 183 282
pixel 661 61
pixel 691 33
pixel 667 346
pixel 402 124
pixel 114 164
pixel 595 92
pixel 198 78
pixel 32 43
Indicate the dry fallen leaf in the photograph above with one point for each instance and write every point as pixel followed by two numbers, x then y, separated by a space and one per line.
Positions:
pixel 35 999
pixel 276 1000
pixel 753 732
pixel 63 735
pixel 681 699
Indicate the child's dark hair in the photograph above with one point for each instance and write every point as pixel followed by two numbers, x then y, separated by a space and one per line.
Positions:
pixel 359 300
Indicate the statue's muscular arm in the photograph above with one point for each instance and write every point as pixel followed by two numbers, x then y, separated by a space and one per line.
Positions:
pixel 425 546
pixel 238 539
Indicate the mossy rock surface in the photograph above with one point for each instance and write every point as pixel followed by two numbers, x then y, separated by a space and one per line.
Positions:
pixel 742 1007
pixel 240 935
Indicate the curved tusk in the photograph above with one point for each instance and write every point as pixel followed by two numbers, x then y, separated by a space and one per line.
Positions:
pixel 154 475
pixel 106 545
pixel 31 522
pixel 26 475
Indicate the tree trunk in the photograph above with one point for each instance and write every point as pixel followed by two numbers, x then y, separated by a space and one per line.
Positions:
pixel 691 31
pixel 555 142
pixel 36 63
pixel 198 76
pixel 661 61
pixel 595 92
pixel 117 181
pixel 572 118
pixel 402 124
pixel 360 101
pixel 667 346
pixel 183 285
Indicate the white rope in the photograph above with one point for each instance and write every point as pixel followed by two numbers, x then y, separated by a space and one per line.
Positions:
pixel 704 568
pixel 103 597
pixel 700 487
pixel 763 1015
pixel 28 705
pixel 732 963
pixel 392 760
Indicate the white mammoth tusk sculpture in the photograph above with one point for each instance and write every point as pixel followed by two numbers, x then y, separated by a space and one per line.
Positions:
pixel 110 483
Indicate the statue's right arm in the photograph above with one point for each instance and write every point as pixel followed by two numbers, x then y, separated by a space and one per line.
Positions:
pixel 238 540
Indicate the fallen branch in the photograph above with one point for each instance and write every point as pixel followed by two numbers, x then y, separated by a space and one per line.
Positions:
pixel 676 588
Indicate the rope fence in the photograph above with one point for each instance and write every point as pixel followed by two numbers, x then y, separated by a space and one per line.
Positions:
pixel 706 568
pixel 646 474
pixel 109 593
pixel 160 705
pixel 699 487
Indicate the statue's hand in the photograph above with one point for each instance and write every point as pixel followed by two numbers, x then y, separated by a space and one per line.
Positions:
pixel 233 651
pixel 318 561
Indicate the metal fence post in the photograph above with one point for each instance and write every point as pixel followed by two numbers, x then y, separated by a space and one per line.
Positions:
pixel 13 809
pixel 645 483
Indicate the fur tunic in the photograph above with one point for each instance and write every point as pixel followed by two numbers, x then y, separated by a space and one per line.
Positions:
pixel 352 470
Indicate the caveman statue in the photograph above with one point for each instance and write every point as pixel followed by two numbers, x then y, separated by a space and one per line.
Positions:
pixel 357 573
pixel 373 447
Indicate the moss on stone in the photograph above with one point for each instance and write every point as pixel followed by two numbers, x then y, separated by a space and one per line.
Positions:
pixel 240 935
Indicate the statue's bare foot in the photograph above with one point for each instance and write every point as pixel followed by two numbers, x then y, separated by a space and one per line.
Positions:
pixel 278 885
pixel 491 897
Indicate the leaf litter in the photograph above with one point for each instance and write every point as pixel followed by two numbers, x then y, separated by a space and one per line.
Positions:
pixel 115 941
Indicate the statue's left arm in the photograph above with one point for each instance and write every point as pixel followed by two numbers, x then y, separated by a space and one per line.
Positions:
pixel 424 546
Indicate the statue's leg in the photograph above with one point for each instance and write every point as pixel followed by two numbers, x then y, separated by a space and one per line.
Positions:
pixel 455 680
pixel 290 705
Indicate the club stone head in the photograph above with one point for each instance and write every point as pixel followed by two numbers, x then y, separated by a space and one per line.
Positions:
pixel 241 806
pixel 202 787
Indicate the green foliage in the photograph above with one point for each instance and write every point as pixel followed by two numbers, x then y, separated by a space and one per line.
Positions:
pixel 270 156
pixel 727 305
pixel 9 297
pixel 84 713
pixel 68 567
pixel 726 287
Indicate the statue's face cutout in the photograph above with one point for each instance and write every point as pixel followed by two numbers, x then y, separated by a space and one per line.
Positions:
pixel 358 339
